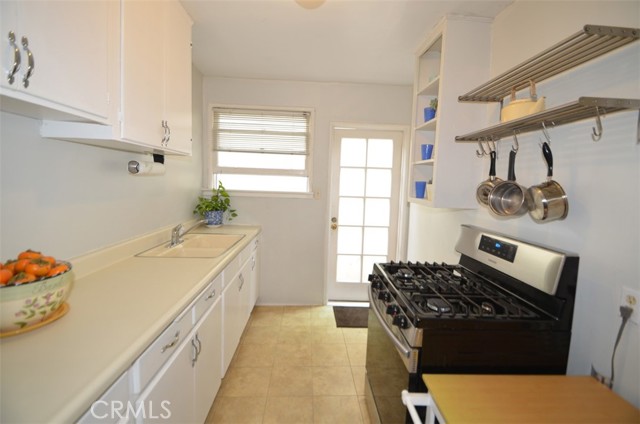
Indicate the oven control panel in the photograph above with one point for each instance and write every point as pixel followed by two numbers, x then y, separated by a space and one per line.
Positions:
pixel 499 248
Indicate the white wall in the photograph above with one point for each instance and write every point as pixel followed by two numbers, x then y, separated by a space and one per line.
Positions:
pixel 602 180
pixel 293 260
pixel 67 199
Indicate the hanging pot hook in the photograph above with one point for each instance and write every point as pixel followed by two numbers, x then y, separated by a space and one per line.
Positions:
pixel 546 132
pixel 597 134
pixel 480 153
pixel 516 146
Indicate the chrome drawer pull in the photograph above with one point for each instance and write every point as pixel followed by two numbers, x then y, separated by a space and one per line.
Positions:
pixel 175 340
pixel 211 295
pixel 16 58
pixel 30 62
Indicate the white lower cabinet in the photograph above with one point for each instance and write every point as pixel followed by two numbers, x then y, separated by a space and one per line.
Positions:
pixel 112 405
pixel 231 321
pixel 207 370
pixel 183 390
pixel 169 395
pixel 177 377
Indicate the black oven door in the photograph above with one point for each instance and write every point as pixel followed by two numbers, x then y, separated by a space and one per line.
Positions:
pixel 391 367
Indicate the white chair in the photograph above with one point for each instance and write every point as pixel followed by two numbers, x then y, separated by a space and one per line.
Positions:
pixel 411 400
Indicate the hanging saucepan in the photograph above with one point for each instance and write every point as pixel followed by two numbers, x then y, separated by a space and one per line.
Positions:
pixel 485 187
pixel 508 198
pixel 548 200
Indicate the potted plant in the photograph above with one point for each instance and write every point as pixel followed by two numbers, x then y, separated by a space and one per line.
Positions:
pixel 430 112
pixel 214 208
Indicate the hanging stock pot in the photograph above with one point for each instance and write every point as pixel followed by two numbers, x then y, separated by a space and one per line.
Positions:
pixel 485 187
pixel 508 198
pixel 548 200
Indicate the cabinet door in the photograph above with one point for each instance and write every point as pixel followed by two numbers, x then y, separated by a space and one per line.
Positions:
pixel 245 295
pixel 254 287
pixel 177 85
pixel 169 396
pixel 208 372
pixel 69 44
pixel 231 317
pixel 143 72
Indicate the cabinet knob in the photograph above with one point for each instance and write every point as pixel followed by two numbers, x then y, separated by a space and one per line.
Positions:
pixel 16 58
pixel 30 62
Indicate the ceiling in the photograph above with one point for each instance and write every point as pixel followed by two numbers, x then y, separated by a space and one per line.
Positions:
pixel 361 41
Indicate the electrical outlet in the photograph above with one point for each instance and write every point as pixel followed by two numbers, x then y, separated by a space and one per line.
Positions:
pixel 631 298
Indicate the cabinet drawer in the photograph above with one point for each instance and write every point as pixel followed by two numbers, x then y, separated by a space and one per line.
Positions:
pixel 231 271
pixel 102 410
pixel 208 297
pixel 160 350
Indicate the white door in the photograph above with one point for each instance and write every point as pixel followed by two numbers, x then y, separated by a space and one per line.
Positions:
pixel 365 198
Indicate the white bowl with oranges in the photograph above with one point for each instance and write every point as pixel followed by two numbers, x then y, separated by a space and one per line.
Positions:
pixel 33 291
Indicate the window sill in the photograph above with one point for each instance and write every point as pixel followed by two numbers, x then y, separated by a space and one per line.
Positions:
pixel 276 194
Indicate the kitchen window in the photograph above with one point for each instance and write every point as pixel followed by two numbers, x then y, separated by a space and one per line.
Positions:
pixel 257 150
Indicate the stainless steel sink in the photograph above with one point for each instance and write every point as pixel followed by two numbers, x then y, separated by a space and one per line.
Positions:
pixel 196 246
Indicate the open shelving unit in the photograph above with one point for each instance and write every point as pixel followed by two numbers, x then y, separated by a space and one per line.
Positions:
pixel 591 42
pixel 583 108
pixel 455 54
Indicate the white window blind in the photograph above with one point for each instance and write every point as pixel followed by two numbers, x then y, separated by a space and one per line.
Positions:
pixel 262 150
pixel 257 131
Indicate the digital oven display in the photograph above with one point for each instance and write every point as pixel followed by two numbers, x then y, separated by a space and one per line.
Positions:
pixel 498 248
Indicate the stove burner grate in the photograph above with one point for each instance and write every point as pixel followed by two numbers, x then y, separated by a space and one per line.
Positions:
pixel 441 290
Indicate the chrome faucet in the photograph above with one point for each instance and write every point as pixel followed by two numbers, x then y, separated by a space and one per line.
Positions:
pixel 177 233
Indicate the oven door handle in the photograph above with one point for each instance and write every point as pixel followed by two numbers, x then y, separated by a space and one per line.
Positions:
pixel 399 344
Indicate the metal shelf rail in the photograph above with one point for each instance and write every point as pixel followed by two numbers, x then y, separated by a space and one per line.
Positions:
pixel 583 108
pixel 591 42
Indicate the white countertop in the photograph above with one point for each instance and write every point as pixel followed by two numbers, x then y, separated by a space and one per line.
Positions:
pixel 54 373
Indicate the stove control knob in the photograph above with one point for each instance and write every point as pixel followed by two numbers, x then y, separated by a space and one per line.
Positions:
pixel 400 321
pixel 393 309
pixel 385 296
pixel 376 281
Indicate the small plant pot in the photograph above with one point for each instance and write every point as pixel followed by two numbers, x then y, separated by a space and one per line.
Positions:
pixel 429 113
pixel 213 218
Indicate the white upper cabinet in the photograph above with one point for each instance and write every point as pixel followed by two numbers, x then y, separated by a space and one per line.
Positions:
pixel 156 75
pixel 177 82
pixel 56 60
pixel 142 72
pixel 153 66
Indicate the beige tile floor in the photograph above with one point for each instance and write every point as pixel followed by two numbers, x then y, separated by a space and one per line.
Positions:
pixel 293 365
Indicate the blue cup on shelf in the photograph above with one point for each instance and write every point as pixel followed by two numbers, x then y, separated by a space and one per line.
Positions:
pixel 426 151
pixel 421 187
pixel 429 113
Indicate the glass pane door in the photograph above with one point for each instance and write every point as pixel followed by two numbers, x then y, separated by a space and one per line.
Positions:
pixel 365 192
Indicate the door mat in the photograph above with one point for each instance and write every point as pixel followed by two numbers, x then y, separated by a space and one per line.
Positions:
pixel 347 316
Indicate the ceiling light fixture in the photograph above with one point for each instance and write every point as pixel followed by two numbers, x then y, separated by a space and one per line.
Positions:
pixel 310 4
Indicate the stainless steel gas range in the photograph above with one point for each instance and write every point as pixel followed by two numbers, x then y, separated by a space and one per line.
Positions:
pixel 505 308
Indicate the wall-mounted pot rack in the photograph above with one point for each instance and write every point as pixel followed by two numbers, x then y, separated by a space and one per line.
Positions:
pixel 589 43
pixel 583 108
pixel 593 41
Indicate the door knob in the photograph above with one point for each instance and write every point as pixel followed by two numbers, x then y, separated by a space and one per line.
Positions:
pixel 334 226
